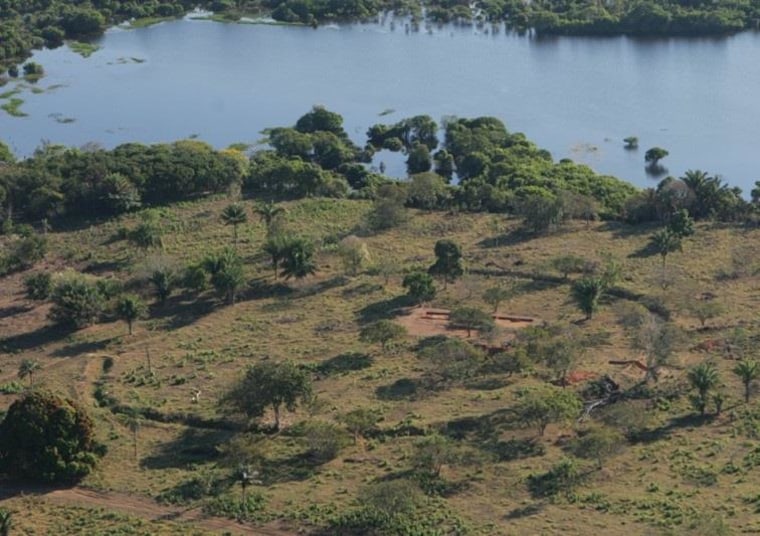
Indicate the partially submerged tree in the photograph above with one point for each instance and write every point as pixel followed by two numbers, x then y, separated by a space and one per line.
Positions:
pixel 654 155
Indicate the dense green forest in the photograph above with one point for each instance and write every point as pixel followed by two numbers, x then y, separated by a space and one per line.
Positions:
pixel 495 170
pixel 25 26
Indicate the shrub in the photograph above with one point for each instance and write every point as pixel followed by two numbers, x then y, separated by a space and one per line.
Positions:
pixel 324 440
pixel 38 286
pixel 563 477
pixel 77 302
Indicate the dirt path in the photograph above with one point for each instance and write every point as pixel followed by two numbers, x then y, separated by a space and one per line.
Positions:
pixel 142 507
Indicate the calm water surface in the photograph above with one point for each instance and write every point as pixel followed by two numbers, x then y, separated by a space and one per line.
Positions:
pixel 576 97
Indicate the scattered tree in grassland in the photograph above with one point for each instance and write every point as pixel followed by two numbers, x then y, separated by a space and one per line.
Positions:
pixel 598 443
pixel 704 378
pixel 541 407
pixel 419 287
pixel 130 308
pixel 270 385
pixel 383 332
pixel 748 370
pixel 234 215
pixel 448 263
pixel 471 318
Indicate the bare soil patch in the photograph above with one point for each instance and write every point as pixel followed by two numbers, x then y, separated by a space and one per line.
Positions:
pixel 426 322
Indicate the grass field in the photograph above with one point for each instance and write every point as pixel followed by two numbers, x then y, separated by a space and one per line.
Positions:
pixel 686 471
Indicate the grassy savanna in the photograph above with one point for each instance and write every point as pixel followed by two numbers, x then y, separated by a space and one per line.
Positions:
pixel 184 356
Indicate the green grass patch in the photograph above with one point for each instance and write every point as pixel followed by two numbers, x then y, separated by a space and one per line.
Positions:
pixel 83 49
pixel 9 94
pixel 12 107
pixel 148 21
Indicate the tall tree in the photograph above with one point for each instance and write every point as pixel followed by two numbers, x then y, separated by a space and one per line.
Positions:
pixel 470 318
pixel 704 378
pixel 45 437
pixel 27 368
pixel 163 279
pixel 130 308
pixel 234 215
pixel 448 263
pixel 133 420
pixel 420 287
pixel 6 520
pixel 298 259
pixel 587 293
pixel 383 332
pixel 270 385
pixel 666 242
pixel 748 371
pixel 268 213
pixel 226 271
pixel 654 155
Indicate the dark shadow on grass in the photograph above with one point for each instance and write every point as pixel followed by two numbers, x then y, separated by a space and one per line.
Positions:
pixel 384 309
pixel 14 310
pixel 193 446
pixel 525 511
pixel 296 468
pixel 511 238
pixel 33 339
pixel 99 268
pixel 362 289
pixel 343 363
pixel 322 286
pixel 648 250
pixel 676 423
pixel 85 347
pixel 403 389
pixel 182 310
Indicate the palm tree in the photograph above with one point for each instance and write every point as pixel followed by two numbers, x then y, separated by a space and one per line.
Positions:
pixel 275 247
pixel 748 371
pixel 130 308
pixel 268 212
pixel 234 215
pixel 163 280
pixel 665 242
pixel 298 259
pixel 132 420
pixel 587 292
pixel 704 377
pixel 27 368
pixel 6 522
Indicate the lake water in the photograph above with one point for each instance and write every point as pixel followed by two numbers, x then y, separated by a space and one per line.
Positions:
pixel 576 97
